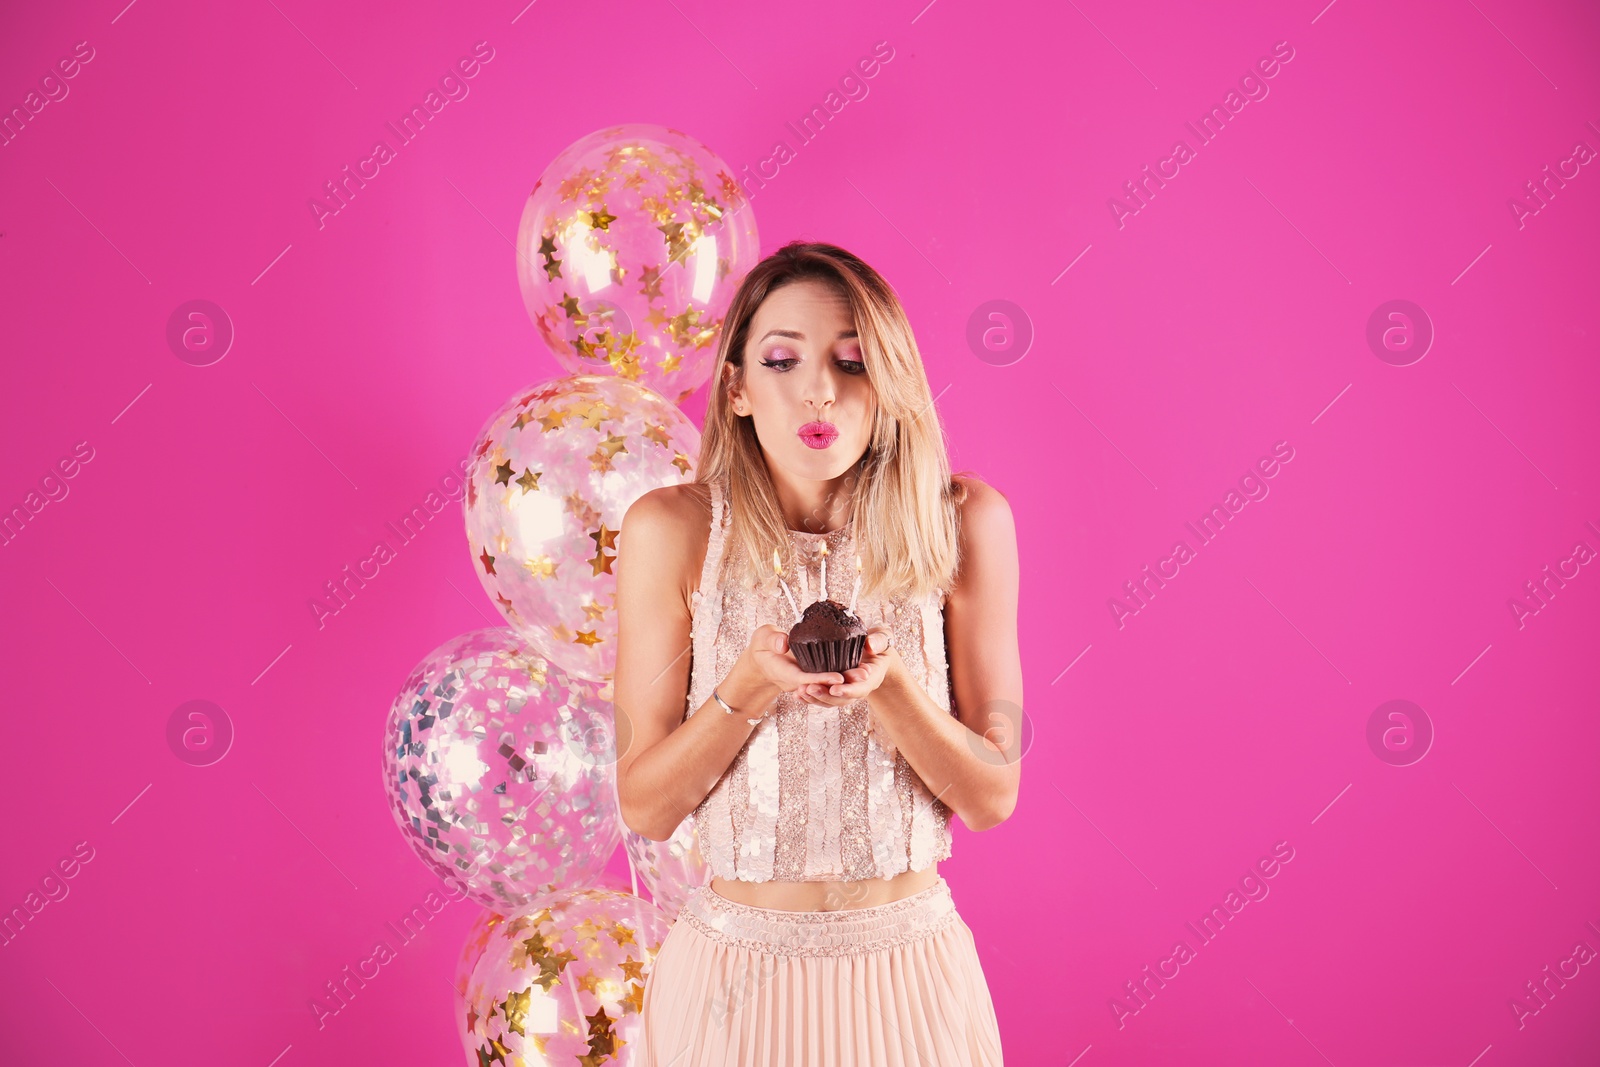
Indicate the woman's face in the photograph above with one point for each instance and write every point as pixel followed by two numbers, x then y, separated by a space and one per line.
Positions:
pixel 805 385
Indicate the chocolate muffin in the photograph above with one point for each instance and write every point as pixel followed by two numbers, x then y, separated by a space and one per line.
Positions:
pixel 828 638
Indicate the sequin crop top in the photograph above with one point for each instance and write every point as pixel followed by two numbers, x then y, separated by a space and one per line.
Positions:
pixel 815 794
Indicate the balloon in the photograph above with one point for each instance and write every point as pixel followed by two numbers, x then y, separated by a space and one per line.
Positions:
pixel 629 251
pixel 500 770
pixel 561 983
pixel 670 869
pixel 551 476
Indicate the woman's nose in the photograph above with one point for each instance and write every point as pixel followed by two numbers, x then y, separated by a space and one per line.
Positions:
pixel 819 392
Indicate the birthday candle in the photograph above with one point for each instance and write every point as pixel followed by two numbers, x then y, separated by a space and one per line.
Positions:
pixel 777 568
pixel 824 595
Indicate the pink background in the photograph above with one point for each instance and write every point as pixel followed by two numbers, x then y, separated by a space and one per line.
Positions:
pixel 1228 314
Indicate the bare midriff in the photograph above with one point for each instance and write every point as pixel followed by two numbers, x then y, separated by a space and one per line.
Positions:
pixel 825 896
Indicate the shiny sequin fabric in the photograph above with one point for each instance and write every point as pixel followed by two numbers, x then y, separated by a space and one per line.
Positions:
pixel 815 794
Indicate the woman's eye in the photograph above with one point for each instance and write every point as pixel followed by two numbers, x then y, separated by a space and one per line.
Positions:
pixel 850 366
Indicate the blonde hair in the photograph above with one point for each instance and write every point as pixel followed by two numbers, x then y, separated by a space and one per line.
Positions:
pixel 905 503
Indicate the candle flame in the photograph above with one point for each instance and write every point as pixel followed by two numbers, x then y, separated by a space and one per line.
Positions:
pixel 824 548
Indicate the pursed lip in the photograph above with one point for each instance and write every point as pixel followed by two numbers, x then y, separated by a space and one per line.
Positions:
pixel 819 434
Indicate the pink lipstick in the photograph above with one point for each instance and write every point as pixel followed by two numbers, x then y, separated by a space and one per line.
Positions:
pixel 819 434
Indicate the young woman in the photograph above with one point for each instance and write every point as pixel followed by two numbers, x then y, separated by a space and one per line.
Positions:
pixel 821 802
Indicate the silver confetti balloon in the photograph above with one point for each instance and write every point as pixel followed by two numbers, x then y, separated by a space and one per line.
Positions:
pixel 669 869
pixel 552 474
pixel 500 770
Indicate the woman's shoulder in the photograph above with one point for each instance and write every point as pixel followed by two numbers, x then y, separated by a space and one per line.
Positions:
pixel 976 497
pixel 985 512
pixel 988 569
pixel 680 507
pixel 669 526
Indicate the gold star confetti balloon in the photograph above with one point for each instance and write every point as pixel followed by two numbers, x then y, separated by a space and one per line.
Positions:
pixel 562 983
pixel 499 768
pixel 552 474
pixel 628 254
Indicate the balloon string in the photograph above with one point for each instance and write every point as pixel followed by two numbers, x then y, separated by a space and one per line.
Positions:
pixel 616 793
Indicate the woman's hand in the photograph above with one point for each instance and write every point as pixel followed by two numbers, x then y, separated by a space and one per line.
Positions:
pixel 876 661
pixel 769 653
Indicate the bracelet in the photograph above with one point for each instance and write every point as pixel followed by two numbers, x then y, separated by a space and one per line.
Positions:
pixel 753 722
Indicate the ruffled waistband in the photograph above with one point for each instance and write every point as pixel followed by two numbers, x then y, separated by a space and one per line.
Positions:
pixel 842 932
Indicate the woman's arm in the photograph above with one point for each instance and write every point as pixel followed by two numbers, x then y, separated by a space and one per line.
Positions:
pixel 665 765
pixel 971 762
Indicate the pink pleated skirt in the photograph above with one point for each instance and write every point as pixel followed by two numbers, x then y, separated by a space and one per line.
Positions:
pixel 892 985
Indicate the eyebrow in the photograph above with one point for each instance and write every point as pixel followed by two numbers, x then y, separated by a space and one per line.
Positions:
pixel 798 336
